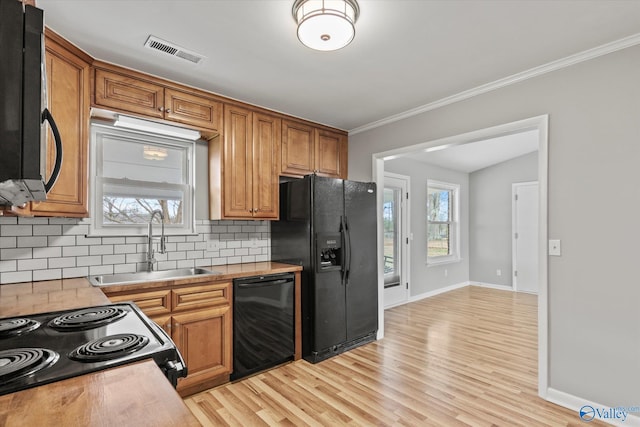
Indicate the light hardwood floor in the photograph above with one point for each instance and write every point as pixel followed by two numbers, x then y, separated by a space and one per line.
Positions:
pixel 464 358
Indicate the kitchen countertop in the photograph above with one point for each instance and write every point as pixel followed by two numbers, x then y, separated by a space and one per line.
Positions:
pixel 134 394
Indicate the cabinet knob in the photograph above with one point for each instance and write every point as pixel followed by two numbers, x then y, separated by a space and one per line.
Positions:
pixel 168 110
pixel 161 109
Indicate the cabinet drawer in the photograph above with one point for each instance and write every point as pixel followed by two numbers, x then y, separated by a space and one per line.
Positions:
pixel 152 303
pixel 201 296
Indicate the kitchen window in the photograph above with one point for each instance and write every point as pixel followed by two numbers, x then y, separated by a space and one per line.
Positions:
pixel 136 173
pixel 442 222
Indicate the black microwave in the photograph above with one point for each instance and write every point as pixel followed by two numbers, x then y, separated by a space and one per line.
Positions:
pixel 23 107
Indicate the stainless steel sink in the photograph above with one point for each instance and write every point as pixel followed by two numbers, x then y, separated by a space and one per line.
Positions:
pixel 143 276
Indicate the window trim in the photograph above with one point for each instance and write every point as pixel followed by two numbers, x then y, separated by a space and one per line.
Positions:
pixel 454 240
pixel 96 228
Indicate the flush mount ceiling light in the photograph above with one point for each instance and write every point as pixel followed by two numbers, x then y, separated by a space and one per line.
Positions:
pixel 326 24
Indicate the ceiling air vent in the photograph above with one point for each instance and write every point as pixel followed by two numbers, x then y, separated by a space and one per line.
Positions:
pixel 172 49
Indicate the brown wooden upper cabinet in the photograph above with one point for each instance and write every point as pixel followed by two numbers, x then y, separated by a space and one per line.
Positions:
pixel 129 93
pixel 307 149
pixel 244 167
pixel 68 87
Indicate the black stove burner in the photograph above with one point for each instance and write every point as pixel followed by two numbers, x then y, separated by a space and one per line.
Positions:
pixel 17 326
pixel 87 319
pixel 109 347
pixel 21 362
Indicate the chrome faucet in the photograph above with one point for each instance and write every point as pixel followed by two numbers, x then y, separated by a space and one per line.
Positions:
pixel 163 244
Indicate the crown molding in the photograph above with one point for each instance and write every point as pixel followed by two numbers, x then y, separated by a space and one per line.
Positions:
pixel 568 61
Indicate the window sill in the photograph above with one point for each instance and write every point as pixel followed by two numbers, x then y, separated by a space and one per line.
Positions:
pixel 434 263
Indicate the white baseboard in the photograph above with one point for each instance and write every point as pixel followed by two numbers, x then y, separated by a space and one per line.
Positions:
pixel 437 291
pixel 492 286
pixel 576 403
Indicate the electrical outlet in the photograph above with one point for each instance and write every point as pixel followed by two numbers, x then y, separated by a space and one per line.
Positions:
pixel 253 243
pixel 554 248
pixel 213 245
pixel 498 272
pixel 446 272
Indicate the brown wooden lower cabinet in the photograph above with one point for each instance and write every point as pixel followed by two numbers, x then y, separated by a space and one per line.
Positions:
pixel 201 337
pixel 199 320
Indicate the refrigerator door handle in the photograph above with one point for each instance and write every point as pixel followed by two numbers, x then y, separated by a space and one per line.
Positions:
pixel 343 260
pixel 347 251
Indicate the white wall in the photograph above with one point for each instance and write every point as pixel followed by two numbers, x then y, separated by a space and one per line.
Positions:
pixel 490 228
pixel 423 278
pixel 594 149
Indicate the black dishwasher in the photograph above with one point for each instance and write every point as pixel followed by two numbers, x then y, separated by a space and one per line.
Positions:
pixel 263 323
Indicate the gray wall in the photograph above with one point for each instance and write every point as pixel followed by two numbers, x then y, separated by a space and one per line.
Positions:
pixel 423 278
pixel 490 217
pixel 594 148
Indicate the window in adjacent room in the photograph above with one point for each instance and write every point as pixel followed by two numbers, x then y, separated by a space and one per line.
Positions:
pixel 442 222
pixel 135 173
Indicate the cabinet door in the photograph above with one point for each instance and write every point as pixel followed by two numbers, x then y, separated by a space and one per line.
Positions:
pixel 204 338
pixel 164 322
pixel 237 164
pixel 68 93
pixel 266 152
pixel 331 154
pixel 125 93
pixel 202 296
pixel 298 142
pixel 193 110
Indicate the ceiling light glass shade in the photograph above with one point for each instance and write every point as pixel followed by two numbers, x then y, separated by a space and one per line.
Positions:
pixel 326 24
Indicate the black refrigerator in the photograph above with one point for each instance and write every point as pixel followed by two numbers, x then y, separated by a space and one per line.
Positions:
pixel 328 226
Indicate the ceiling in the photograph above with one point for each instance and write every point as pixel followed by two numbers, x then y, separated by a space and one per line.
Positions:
pixel 405 54
pixel 476 155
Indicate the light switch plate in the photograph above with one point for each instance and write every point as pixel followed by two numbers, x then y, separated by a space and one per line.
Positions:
pixel 554 248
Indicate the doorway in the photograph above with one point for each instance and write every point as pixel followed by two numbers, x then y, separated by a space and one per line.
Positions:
pixel 525 236
pixel 395 211
pixel 539 123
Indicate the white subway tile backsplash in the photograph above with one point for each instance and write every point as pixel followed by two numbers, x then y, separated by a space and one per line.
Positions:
pixel 68 251
pixel 10 265
pixel 62 262
pixel 19 253
pixel 32 264
pixel 26 220
pixel 101 269
pixel 54 248
pixel 125 249
pixel 114 259
pixel 32 242
pixel 52 252
pixel 82 261
pixel 75 229
pixel 187 263
pixel 88 241
pixel 124 268
pixel 52 274
pixel 75 272
pixel 61 241
pixel 8 242
pixel 47 230
pixel 101 250
pixel 16 230
pixel 16 277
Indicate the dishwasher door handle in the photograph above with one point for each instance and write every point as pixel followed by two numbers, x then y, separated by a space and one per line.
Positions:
pixel 262 284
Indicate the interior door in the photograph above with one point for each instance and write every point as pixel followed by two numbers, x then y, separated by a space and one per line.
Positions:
pixel 525 237
pixel 395 222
